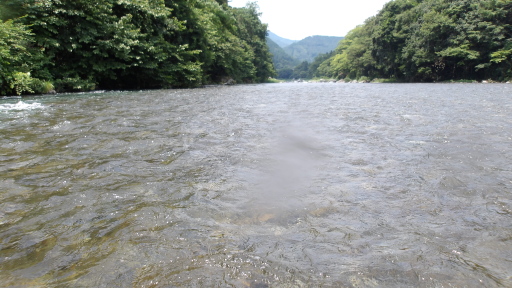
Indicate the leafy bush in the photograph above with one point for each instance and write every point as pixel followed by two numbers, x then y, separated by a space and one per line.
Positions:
pixel 42 87
pixel 74 84
pixel 384 80
pixel 273 80
pixel 363 79
pixel 14 58
pixel 22 82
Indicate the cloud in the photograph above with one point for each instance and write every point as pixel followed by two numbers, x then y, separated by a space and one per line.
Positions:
pixel 299 19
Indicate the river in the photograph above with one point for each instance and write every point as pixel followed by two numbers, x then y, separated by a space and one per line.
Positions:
pixel 273 185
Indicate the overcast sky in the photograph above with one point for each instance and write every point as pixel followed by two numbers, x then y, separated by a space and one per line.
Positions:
pixel 297 19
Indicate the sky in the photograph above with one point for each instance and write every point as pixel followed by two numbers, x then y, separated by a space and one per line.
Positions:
pixel 298 19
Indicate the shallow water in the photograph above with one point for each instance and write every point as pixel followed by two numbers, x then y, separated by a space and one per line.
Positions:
pixel 279 185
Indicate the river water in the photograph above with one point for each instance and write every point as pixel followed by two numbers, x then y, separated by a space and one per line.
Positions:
pixel 275 185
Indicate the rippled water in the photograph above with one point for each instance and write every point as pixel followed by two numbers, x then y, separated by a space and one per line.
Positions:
pixel 281 185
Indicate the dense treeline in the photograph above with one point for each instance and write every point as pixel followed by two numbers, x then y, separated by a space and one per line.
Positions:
pixel 128 44
pixel 283 63
pixel 428 40
pixel 307 70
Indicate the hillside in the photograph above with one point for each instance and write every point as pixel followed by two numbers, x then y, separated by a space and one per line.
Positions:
pixel 307 49
pixel 283 63
pixel 85 45
pixel 428 41
pixel 280 41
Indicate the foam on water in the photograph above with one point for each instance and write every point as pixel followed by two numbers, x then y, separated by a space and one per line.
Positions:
pixel 21 106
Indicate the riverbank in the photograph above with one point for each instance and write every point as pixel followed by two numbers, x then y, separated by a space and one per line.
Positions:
pixel 380 80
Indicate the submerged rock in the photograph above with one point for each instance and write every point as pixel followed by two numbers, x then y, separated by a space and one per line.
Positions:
pixel 230 81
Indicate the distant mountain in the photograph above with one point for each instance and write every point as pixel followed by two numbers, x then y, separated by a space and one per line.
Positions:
pixel 308 48
pixel 283 63
pixel 280 57
pixel 297 60
pixel 280 41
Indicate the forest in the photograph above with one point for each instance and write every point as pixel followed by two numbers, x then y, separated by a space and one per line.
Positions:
pixel 298 59
pixel 427 41
pixel 82 45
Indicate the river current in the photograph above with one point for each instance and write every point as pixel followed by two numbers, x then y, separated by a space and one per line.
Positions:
pixel 274 185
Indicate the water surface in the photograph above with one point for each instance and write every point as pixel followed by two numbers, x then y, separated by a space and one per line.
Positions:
pixel 282 185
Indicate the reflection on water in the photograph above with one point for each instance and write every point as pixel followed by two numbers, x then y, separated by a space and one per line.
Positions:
pixel 289 185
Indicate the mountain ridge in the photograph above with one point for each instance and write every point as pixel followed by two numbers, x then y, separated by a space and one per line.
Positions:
pixel 280 57
pixel 308 48
pixel 280 41
pixel 287 59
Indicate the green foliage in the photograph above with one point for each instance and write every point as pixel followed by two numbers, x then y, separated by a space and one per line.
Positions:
pixel 254 34
pixel 74 85
pixel 42 87
pixel 501 55
pixel 289 67
pixel 129 44
pixel 429 40
pixel 17 59
pixel 352 59
pixel 280 58
pixel 22 82
pixel 315 50
pixel 313 67
pixel 273 80
pixel 301 71
pixel 10 10
pixel 283 63
pixel 114 44
pixel 381 80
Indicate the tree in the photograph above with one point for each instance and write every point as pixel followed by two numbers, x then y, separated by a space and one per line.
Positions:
pixel 254 33
pixel 429 40
pixel 131 44
pixel 17 59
